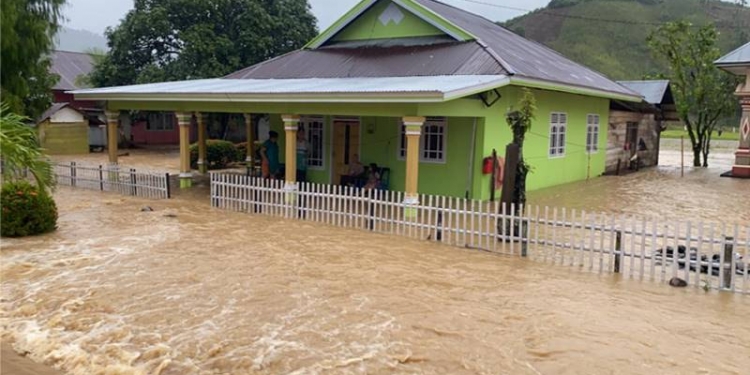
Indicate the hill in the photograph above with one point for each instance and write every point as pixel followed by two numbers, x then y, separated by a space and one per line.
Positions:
pixel 610 35
pixel 74 40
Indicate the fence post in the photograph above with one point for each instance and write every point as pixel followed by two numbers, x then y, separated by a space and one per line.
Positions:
pixel 726 281
pixel 618 250
pixel 101 178
pixel 133 182
pixel 73 173
pixel 371 209
pixel 166 179
pixel 439 235
pixel 523 231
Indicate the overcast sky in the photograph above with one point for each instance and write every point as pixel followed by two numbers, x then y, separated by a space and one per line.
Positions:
pixel 96 15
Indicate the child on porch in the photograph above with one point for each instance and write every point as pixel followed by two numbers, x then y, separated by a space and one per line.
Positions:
pixel 373 179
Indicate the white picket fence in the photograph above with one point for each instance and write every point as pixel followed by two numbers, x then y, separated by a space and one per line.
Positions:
pixel 704 255
pixel 118 179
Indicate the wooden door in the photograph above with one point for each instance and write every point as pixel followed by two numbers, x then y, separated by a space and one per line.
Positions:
pixel 345 147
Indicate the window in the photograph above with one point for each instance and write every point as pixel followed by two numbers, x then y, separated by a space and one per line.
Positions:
pixel 313 128
pixel 592 134
pixel 558 126
pixel 160 121
pixel 432 142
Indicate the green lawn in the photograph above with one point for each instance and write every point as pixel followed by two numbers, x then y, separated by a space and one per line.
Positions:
pixel 728 136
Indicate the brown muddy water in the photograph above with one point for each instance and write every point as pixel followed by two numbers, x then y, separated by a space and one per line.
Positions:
pixel 191 290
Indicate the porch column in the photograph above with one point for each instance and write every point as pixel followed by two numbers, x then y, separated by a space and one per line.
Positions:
pixel 741 167
pixel 202 119
pixel 413 127
pixel 291 122
pixel 250 136
pixel 183 121
pixel 113 119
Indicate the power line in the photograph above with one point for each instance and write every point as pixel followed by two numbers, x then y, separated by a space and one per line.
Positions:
pixel 585 18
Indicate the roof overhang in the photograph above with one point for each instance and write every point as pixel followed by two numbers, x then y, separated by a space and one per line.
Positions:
pixel 429 89
pixel 571 89
pixel 739 69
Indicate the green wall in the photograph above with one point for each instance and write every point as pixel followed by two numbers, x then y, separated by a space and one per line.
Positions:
pixel 546 171
pixel 449 178
pixel 65 138
pixel 368 26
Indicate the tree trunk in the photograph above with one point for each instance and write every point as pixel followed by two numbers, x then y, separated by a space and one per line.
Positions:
pixel 696 156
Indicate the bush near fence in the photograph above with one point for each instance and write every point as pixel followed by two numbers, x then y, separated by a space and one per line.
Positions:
pixel 219 154
pixel 26 211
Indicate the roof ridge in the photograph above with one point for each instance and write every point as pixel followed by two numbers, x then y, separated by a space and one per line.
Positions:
pixel 75 52
pixel 504 64
pixel 501 28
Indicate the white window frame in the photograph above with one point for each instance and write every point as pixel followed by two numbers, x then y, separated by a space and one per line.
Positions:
pixel 592 133
pixel 441 122
pixel 558 129
pixel 307 122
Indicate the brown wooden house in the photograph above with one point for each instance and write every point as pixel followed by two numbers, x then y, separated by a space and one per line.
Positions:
pixel 634 130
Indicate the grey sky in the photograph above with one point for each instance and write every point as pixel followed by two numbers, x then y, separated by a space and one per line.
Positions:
pixel 96 15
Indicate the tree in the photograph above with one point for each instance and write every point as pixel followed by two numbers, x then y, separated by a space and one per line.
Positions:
pixel 28 28
pixel 20 150
pixel 168 40
pixel 519 122
pixel 703 93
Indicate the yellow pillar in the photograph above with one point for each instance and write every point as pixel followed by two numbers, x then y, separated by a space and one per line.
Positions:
pixel 113 119
pixel 290 126
pixel 250 136
pixel 202 119
pixel 413 126
pixel 183 121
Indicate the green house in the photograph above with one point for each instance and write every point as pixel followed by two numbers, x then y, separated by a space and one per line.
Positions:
pixel 416 86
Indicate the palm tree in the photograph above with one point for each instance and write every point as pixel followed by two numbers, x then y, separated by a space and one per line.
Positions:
pixel 21 152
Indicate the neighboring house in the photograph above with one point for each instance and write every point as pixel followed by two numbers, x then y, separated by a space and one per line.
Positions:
pixel 63 129
pixel 635 128
pixel 391 70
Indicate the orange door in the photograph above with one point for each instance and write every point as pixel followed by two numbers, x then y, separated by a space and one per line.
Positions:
pixel 345 147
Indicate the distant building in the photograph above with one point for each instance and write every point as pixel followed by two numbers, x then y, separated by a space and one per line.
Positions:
pixel 634 130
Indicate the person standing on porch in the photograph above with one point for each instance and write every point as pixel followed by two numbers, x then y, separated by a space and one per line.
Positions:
pixel 270 154
pixel 302 153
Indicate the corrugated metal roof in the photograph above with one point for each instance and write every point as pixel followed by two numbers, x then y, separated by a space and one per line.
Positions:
pixel 69 66
pixel 653 91
pixel 279 90
pixel 739 56
pixel 524 57
pixel 371 61
pixel 54 108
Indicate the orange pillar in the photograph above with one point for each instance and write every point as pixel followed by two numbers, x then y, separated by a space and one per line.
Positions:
pixel 291 122
pixel 413 126
pixel 183 121
pixel 113 119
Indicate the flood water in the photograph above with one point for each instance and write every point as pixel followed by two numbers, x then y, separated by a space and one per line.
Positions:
pixel 187 289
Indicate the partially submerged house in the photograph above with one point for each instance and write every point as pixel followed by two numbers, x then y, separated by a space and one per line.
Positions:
pixel 634 130
pixel 64 129
pixel 416 86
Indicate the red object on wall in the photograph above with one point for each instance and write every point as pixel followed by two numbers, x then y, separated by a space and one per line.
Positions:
pixel 487 165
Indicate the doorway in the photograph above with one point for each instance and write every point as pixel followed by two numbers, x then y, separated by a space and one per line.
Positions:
pixel 345 146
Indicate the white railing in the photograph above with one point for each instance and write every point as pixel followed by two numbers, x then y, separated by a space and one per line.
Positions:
pixel 118 179
pixel 706 255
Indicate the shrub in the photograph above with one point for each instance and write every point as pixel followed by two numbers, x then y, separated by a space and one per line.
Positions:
pixel 26 210
pixel 219 154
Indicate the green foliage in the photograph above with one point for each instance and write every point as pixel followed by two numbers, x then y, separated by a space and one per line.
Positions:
pixel 580 30
pixel 20 151
pixel 703 93
pixel 219 154
pixel 28 28
pixel 168 40
pixel 26 211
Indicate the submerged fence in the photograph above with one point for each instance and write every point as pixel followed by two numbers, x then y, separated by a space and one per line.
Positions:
pixel 703 255
pixel 117 179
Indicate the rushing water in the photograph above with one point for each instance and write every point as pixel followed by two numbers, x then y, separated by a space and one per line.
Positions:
pixel 190 290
